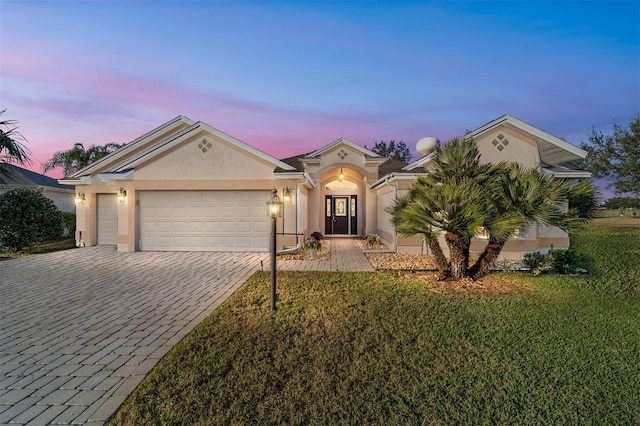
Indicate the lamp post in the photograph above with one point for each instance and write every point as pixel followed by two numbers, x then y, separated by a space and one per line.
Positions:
pixel 274 211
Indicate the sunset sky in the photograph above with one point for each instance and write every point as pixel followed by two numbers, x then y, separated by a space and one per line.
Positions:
pixel 290 77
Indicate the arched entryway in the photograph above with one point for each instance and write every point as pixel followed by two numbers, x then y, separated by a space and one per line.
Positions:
pixel 341 207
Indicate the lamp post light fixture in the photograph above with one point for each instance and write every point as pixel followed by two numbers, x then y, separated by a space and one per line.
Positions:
pixel 274 211
pixel 122 195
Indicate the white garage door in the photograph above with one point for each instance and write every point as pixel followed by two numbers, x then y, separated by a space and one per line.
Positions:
pixel 107 219
pixel 204 220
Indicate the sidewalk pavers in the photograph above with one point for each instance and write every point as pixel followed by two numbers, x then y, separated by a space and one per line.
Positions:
pixel 79 329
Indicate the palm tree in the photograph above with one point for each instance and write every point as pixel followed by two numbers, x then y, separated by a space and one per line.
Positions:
pixel 11 148
pixel 520 198
pixel 78 157
pixel 411 219
pixel 450 200
pixel 462 195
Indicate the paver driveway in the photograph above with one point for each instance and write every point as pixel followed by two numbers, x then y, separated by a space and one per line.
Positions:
pixel 79 329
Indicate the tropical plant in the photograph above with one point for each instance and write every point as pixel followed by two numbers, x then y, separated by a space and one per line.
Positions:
pixel 462 195
pixel 12 149
pixel 27 216
pixel 77 158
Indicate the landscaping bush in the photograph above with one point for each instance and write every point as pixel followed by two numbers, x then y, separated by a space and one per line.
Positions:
pixel 27 216
pixel 560 261
pixel 69 219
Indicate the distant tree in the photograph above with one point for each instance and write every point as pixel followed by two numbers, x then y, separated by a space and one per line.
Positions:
pixel 27 216
pixel 393 150
pixel 12 149
pixel 622 203
pixel 77 158
pixel 616 156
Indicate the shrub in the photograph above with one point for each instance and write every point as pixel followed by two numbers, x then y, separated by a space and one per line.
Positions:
pixel 533 261
pixel 27 216
pixel 560 261
pixel 69 219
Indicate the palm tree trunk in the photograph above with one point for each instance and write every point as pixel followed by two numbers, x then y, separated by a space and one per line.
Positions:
pixel 441 261
pixel 459 255
pixel 486 259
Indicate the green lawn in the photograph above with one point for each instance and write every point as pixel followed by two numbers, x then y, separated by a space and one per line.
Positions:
pixel 373 348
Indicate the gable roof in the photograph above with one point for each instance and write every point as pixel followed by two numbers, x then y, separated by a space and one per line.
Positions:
pixel 23 178
pixel 144 148
pixel 133 145
pixel 342 141
pixel 552 150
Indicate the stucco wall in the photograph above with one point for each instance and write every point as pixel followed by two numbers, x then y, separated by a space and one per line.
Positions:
pixel 502 144
pixel 220 161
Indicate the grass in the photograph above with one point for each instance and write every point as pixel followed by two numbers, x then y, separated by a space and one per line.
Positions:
pixel 377 348
pixel 65 244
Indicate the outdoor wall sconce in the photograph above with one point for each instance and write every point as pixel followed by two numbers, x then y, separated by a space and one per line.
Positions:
pixel 80 198
pixel 341 175
pixel 274 211
pixel 122 195
pixel 287 195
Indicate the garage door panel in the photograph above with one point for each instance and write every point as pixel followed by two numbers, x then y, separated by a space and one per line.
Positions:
pixel 203 220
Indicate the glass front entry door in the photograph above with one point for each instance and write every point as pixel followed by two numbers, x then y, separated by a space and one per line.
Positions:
pixel 340 215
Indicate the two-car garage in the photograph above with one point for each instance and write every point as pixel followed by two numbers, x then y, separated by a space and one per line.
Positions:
pixel 203 220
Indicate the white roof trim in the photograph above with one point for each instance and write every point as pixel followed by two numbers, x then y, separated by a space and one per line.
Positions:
pixel 393 177
pixel 343 141
pixel 82 180
pixel 111 176
pixel 247 147
pixel 122 152
pixel 177 138
pixel 289 175
pixel 419 162
pixel 558 151
pixel 568 174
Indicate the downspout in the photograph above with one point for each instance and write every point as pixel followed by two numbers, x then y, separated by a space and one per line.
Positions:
pixel 395 233
pixel 298 242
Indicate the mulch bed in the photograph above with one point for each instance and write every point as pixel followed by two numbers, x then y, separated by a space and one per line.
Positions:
pixel 492 285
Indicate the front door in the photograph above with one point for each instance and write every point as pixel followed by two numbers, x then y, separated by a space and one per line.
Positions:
pixel 340 215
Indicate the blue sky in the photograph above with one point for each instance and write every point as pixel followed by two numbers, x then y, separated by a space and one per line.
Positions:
pixel 290 77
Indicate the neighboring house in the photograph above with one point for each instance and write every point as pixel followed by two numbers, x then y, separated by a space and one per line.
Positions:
pixel 17 177
pixel 190 187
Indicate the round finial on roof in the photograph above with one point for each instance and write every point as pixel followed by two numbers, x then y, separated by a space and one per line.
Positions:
pixel 427 145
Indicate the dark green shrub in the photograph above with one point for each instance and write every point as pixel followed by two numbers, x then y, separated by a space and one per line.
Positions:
pixel 564 261
pixel 27 216
pixel 69 219
pixel 533 261
pixel 560 261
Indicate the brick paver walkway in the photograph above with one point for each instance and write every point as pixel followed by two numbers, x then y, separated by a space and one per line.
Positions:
pixel 79 329
pixel 346 255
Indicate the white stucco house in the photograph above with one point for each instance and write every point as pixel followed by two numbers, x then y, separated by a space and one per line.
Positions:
pixel 17 177
pixel 186 186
